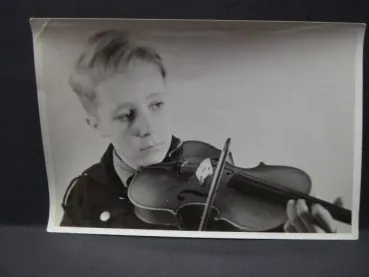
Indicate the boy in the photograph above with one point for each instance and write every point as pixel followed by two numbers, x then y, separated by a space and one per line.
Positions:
pixel 122 88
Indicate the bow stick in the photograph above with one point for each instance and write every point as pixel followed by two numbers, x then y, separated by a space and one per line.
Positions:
pixel 214 185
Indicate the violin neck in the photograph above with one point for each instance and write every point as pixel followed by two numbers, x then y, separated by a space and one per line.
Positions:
pixel 338 213
pixel 282 194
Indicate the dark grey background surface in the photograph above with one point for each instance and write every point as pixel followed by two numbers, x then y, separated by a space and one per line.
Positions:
pixel 26 249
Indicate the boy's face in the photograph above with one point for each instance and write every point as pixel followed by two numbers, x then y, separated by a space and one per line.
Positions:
pixel 132 113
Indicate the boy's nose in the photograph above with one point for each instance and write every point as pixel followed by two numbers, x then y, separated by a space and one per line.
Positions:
pixel 144 126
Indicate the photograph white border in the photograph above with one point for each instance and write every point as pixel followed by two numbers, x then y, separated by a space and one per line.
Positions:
pixel 37 27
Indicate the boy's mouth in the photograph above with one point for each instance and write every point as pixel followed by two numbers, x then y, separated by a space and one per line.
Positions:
pixel 151 147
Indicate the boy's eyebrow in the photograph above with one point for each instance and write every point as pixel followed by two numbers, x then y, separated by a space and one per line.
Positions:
pixel 122 106
pixel 127 105
pixel 155 94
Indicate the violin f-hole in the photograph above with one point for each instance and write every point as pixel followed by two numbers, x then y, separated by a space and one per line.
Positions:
pixel 182 196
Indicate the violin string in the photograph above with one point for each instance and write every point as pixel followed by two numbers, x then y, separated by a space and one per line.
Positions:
pixel 193 165
pixel 267 185
pixel 261 183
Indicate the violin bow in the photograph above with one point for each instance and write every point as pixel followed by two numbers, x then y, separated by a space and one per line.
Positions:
pixel 214 185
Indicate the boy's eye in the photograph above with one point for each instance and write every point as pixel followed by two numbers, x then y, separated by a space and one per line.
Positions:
pixel 124 117
pixel 157 105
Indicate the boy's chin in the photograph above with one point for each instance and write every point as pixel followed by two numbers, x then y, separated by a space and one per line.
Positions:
pixel 152 159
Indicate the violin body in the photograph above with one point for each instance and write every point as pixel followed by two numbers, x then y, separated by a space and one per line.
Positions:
pixel 243 199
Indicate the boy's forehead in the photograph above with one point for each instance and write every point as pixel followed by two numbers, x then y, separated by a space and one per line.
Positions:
pixel 136 83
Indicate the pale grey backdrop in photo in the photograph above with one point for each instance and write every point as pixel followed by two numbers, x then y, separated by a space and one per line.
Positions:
pixel 285 97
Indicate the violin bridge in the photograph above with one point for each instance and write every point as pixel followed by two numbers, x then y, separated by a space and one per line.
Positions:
pixel 204 171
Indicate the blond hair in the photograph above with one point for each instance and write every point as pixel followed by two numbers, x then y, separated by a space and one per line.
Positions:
pixel 107 53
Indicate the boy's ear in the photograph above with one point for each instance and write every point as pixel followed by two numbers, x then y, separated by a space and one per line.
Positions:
pixel 94 124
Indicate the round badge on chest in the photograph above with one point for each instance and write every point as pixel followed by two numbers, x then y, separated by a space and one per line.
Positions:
pixel 105 216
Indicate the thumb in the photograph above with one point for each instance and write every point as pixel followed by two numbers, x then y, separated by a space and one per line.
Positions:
pixel 338 201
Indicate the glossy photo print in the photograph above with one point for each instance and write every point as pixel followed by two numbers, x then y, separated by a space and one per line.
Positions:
pixel 197 128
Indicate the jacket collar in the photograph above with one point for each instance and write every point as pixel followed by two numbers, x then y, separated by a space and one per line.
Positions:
pixel 105 172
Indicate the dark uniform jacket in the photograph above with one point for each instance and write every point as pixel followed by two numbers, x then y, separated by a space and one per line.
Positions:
pixel 98 199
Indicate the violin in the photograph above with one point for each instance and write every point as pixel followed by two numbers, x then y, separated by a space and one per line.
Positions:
pixel 201 175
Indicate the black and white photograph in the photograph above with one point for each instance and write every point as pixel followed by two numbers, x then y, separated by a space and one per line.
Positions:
pixel 201 128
